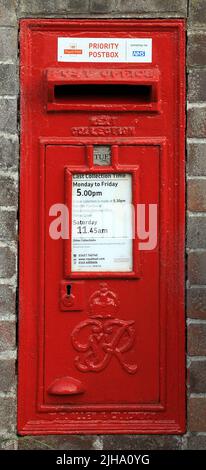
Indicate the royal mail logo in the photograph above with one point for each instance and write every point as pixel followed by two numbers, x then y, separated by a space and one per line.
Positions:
pixel 72 49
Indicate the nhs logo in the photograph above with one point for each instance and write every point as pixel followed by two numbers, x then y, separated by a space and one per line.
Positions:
pixel 138 53
pixel 139 50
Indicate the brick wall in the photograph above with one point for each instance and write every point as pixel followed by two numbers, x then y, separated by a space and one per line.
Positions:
pixel 196 223
pixel 195 11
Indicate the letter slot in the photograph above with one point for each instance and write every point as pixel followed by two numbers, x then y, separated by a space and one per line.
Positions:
pixel 116 90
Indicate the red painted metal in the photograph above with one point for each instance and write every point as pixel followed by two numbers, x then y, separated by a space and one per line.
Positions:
pixel 65 386
pixel 106 354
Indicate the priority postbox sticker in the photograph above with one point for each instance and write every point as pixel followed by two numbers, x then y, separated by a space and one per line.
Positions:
pixel 136 50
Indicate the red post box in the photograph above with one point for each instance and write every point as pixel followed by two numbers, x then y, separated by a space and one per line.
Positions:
pixel 102 227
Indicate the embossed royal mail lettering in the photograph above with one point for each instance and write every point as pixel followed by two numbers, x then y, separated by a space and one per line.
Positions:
pixel 103 125
pixel 106 74
pixel 103 131
pixel 103 120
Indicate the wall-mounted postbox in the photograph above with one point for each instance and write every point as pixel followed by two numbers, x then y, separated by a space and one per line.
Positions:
pixel 101 227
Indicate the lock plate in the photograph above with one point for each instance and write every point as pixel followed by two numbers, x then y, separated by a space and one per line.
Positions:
pixel 72 296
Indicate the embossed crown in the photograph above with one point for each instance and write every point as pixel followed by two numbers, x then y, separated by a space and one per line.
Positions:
pixel 103 302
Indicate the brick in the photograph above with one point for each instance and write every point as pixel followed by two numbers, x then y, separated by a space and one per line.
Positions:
pixel 196 303
pixel 7 414
pixel 8 153
pixel 196 85
pixel 7 225
pixel 7 262
pixel 8 12
pixel 7 335
pixel 101 6
pixel 196 155
pixel 8 44
pixel 197 195
pixel 57 442
pixel 157 6
pixel 196 442
pixel 8 79
pixel 8 115
pixel 8 191
pixel 196 126
pixel 197 377
pixel 196 52
pixel 196 230
pixel 7 374
pixel 196 268
pixel 197 11
pixel 7 300
pixel 197 414
pixel 8 443
pixel 197 339
pixel 117 442
pixel 52 7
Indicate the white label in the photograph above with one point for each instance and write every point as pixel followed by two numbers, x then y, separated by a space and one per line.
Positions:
pixel 102 224
pixel 137 50
pixel 102 155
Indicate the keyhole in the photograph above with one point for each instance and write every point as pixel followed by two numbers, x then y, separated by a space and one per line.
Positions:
pixel 69 288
